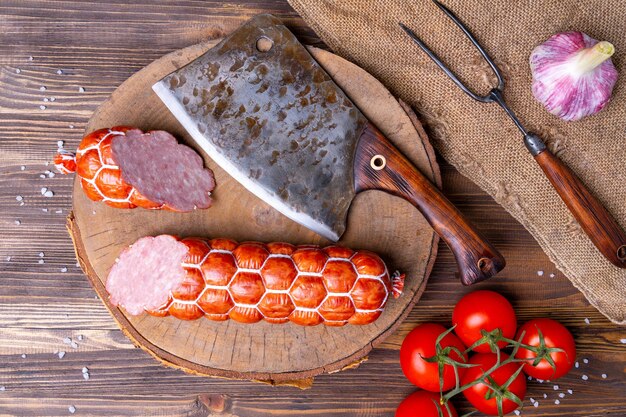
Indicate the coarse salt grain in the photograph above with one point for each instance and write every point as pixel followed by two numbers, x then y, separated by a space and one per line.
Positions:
pixel 532 400
pixel 545 395
pixel 71 409
pixel 74 345
pixel 47 163
pixel 576 364
pixel 45 99
pixel 45 210
pixel 556 387
pixel 71 126
pixel 52 99
pixel 21 203
pixel 19 198
pixel 540 273
pixel 536 404
pixel 41 254
pixel 81 90
pixel 586 320
pixel 557 402
pixel 623 341
pixel 552 275
pixel 8 259
pixel 80 337
pixel 570 392
pixel 42 176
pixel 85 369
pixel 41 262
pixel 585 360
pixel 2 388
pixel 48 194
pixel 77 265
pixel 43 190
pixel 42 107
pixel 17 70
pixel 603 376
pixel 61 354
pixel 22 167
pixel 517 412
pixel 30 58
pixel 585 377
pixel 86 376
pixel 561 395
pixel 42 88
pixel 530 378
pixel 23 356
pixel 18 222
pixel 67 340
pixel 59 211
pixel 59 72
pixel 64 269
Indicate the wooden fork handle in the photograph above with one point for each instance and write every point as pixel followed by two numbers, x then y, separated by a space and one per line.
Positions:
pixel 592 216
pixel 381 166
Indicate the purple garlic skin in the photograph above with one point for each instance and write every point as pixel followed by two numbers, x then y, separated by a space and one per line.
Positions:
pixel 573 75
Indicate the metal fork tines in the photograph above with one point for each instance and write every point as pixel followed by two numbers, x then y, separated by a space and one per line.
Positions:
pixel 495 95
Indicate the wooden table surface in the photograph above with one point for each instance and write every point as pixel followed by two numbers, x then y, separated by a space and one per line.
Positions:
pixel 96 45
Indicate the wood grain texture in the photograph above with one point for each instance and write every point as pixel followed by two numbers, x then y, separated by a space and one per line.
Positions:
pixel 100 44
pixel 380 166
pixel 588 211
pixel 263 351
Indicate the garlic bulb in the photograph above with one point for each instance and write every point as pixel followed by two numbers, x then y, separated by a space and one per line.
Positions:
pixel 573 75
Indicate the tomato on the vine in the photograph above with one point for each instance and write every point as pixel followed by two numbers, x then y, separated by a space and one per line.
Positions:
pixel 505 379
pixel 557 347
pixel 424 404
pixel 483 310
pixel 419 344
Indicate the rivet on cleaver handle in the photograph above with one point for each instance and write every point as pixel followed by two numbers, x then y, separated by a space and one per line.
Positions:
pixel 380 166
pixel 274 120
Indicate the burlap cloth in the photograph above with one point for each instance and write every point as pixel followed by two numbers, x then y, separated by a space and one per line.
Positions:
pixel 478 139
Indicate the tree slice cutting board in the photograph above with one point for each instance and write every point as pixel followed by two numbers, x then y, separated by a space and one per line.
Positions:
pixel 269 352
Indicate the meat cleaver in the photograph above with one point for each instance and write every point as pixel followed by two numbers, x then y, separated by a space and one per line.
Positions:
pixel 270 116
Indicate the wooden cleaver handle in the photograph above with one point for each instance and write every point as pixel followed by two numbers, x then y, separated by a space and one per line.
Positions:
pixel 380 166
pixel 593 218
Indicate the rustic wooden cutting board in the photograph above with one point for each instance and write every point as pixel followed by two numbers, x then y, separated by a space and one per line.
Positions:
pixel 284 353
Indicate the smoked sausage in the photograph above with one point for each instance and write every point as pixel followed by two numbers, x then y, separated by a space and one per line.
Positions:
pixel 220 279
pixel 127 168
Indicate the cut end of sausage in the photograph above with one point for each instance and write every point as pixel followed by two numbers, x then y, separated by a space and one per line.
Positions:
pixel 65 162
pixel 145 273
pixel 163 170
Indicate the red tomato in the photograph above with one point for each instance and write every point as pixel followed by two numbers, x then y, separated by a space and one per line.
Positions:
pixel 421 343
pixel 423 404
pixel 476 394
pixel 483 310
pixel 555 336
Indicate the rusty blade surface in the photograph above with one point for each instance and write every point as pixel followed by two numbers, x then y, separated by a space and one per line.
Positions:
pixel 273 120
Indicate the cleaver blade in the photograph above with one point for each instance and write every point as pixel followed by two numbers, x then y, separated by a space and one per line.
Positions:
pixel 265 111
pixel 273 120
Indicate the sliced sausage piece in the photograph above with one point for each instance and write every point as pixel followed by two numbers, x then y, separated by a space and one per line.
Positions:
pixel 163 170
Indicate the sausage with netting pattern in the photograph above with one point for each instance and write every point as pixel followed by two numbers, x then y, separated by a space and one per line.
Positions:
pixel 127 168
pixel 248 282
